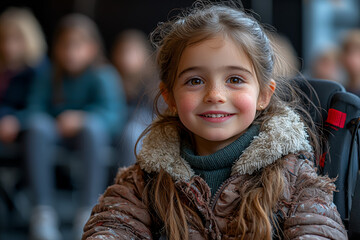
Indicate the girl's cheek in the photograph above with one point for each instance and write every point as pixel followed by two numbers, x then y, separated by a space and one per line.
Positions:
pixel 245 103
pixel 186 103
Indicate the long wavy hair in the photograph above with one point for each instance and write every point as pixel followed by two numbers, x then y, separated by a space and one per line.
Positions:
pixel 255 218
pixel 24 20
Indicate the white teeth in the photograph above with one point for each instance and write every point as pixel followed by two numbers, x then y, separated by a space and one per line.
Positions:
pixel 216 115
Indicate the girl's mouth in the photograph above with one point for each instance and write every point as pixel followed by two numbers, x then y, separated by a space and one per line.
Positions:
pixel 216 117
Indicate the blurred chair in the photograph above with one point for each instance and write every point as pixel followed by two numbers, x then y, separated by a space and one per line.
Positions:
pixel 13 200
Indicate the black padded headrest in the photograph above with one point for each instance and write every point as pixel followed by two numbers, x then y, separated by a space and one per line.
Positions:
pixel 320 92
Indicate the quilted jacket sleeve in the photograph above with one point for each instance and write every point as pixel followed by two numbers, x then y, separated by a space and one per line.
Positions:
pixel 312 213
pixel 120 213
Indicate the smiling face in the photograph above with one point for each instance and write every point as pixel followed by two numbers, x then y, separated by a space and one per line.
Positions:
pixel 216 93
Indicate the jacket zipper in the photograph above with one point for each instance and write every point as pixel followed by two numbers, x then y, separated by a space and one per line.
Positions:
pixel 215 198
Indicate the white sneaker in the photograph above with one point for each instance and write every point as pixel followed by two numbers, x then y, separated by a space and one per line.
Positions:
pixel 82 216
pixel 44 224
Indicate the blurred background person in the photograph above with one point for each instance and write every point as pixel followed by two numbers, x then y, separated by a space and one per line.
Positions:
pixel 325 64
pixel 22 54
pixel 350 58
pixel 78 103
pixel 285 50
pixel 132 57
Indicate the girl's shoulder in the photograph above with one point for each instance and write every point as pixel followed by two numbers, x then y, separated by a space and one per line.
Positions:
pixel 131 176
pixel 293 163
pixel 301 176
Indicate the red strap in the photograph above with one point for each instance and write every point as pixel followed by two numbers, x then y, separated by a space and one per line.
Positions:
pixel 336 118
pixel 322 160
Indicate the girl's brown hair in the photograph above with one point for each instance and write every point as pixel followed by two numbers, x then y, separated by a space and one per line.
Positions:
pixel 255 212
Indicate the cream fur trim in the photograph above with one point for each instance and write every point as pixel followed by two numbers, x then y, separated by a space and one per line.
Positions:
pixel 281 135
pixel 163 152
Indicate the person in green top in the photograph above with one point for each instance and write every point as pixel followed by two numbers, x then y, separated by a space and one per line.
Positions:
pixel 77 103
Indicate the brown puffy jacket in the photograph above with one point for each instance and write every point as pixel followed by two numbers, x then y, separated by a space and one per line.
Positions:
pixel 305 209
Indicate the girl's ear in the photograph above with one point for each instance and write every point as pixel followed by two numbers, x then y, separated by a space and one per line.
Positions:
pixel 265 96
pixel 167 97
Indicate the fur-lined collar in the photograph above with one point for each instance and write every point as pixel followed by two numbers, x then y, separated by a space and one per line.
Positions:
pixel 281 135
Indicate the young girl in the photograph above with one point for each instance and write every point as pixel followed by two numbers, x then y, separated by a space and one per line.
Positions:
pixel 77 104
pixel 228 159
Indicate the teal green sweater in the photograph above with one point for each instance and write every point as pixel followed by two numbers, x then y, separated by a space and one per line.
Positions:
pixel 97 91
pixel 216 168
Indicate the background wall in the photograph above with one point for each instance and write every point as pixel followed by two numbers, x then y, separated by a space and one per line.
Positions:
pixel 308 24
pixel 112 16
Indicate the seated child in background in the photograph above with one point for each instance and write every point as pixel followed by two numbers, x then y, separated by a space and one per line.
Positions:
pixel 326 64
pixel 229 158
pixel 131 55
pixel 79 104
pixel 22 54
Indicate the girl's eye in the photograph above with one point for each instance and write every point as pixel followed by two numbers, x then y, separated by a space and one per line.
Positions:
pixel 195 81
pixel 235 80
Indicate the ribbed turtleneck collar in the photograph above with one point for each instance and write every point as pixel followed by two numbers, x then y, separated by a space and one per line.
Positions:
pixel 224 157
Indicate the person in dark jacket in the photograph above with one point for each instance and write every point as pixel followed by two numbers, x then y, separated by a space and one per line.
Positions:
pixel 77 103
pixel 231 157
pixel 22 55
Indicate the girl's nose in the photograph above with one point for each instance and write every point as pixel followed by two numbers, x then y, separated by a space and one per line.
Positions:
pixel 215 95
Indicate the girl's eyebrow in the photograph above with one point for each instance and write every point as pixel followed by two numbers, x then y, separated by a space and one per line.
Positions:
pixel 189 70
pixel 239 68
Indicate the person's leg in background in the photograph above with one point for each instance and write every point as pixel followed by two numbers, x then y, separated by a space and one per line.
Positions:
pixel 40 143
pixel 93 142
pixel 133 129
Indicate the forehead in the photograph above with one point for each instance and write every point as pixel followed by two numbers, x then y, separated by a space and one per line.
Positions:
pixel 74 34
pixel 10 27
pixel 218 51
